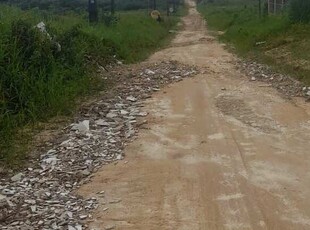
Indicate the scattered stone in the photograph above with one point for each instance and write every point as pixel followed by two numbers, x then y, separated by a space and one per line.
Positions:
pixel 82 217
pixel 49 161
pixel 142 114
pixel 71 227
pixel 131 98
pixel 78 227
pixel 48 194
pixel 17 177
pixel 33 208
pixel 101 122
pixel 41 197
pixel 260 43
pixel 129 133
pixel 69 214
pixel 86 172
pixel 8 192
pixel 287 85
pixel 50 152
pixel 2 198
pixel 30 201
pixel 115 201
pixel 149 72
pixel 124 112
pixel 111 115
pixel 82 127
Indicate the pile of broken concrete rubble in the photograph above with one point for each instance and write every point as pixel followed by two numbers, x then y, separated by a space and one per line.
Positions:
pixel 41 197
pixel 284 83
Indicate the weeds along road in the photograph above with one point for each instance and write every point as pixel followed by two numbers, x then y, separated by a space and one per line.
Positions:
pixel 211 159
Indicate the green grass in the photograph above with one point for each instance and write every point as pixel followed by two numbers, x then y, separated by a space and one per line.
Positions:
pixel 241 23
pixel 37 82
pixel 244 30
pixel 136 38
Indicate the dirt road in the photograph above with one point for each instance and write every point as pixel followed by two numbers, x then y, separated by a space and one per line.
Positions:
pixel 212 158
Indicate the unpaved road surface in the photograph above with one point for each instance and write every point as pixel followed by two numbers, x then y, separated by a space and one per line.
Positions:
pixel 211 158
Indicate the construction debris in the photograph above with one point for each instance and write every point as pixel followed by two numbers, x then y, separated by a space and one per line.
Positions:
pixel 283 83
pixel 41 197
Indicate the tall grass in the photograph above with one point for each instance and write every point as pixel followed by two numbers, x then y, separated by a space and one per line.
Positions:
pixel 241 23
pixel 39 81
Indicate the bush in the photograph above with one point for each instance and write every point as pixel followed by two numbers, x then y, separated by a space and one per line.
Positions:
pixel 300 11
pixel 37 81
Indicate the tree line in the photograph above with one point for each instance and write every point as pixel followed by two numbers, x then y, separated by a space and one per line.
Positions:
pixel 81 5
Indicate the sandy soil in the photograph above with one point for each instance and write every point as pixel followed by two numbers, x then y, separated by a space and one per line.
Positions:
pixel 211 158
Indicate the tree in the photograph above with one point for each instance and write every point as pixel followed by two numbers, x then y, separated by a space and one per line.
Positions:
pixel 300 11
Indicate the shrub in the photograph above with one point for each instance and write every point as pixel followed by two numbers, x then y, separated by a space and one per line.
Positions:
pixel 37 81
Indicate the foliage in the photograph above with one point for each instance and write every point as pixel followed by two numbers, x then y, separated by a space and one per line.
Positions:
pixel 37 81
pixel 300 11
pixel 241 22
pixel 79 6
pixel 273 39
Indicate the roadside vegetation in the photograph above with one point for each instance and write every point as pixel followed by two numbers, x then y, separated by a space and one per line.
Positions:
pixel 60 6
pixel 42 75
pixel 281 40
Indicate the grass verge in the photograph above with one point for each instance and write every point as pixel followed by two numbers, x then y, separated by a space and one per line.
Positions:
pixel 272 39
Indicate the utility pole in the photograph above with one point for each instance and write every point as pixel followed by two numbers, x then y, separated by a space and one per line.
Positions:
pixel 174 6
pixel 93 11
pixel 112 7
